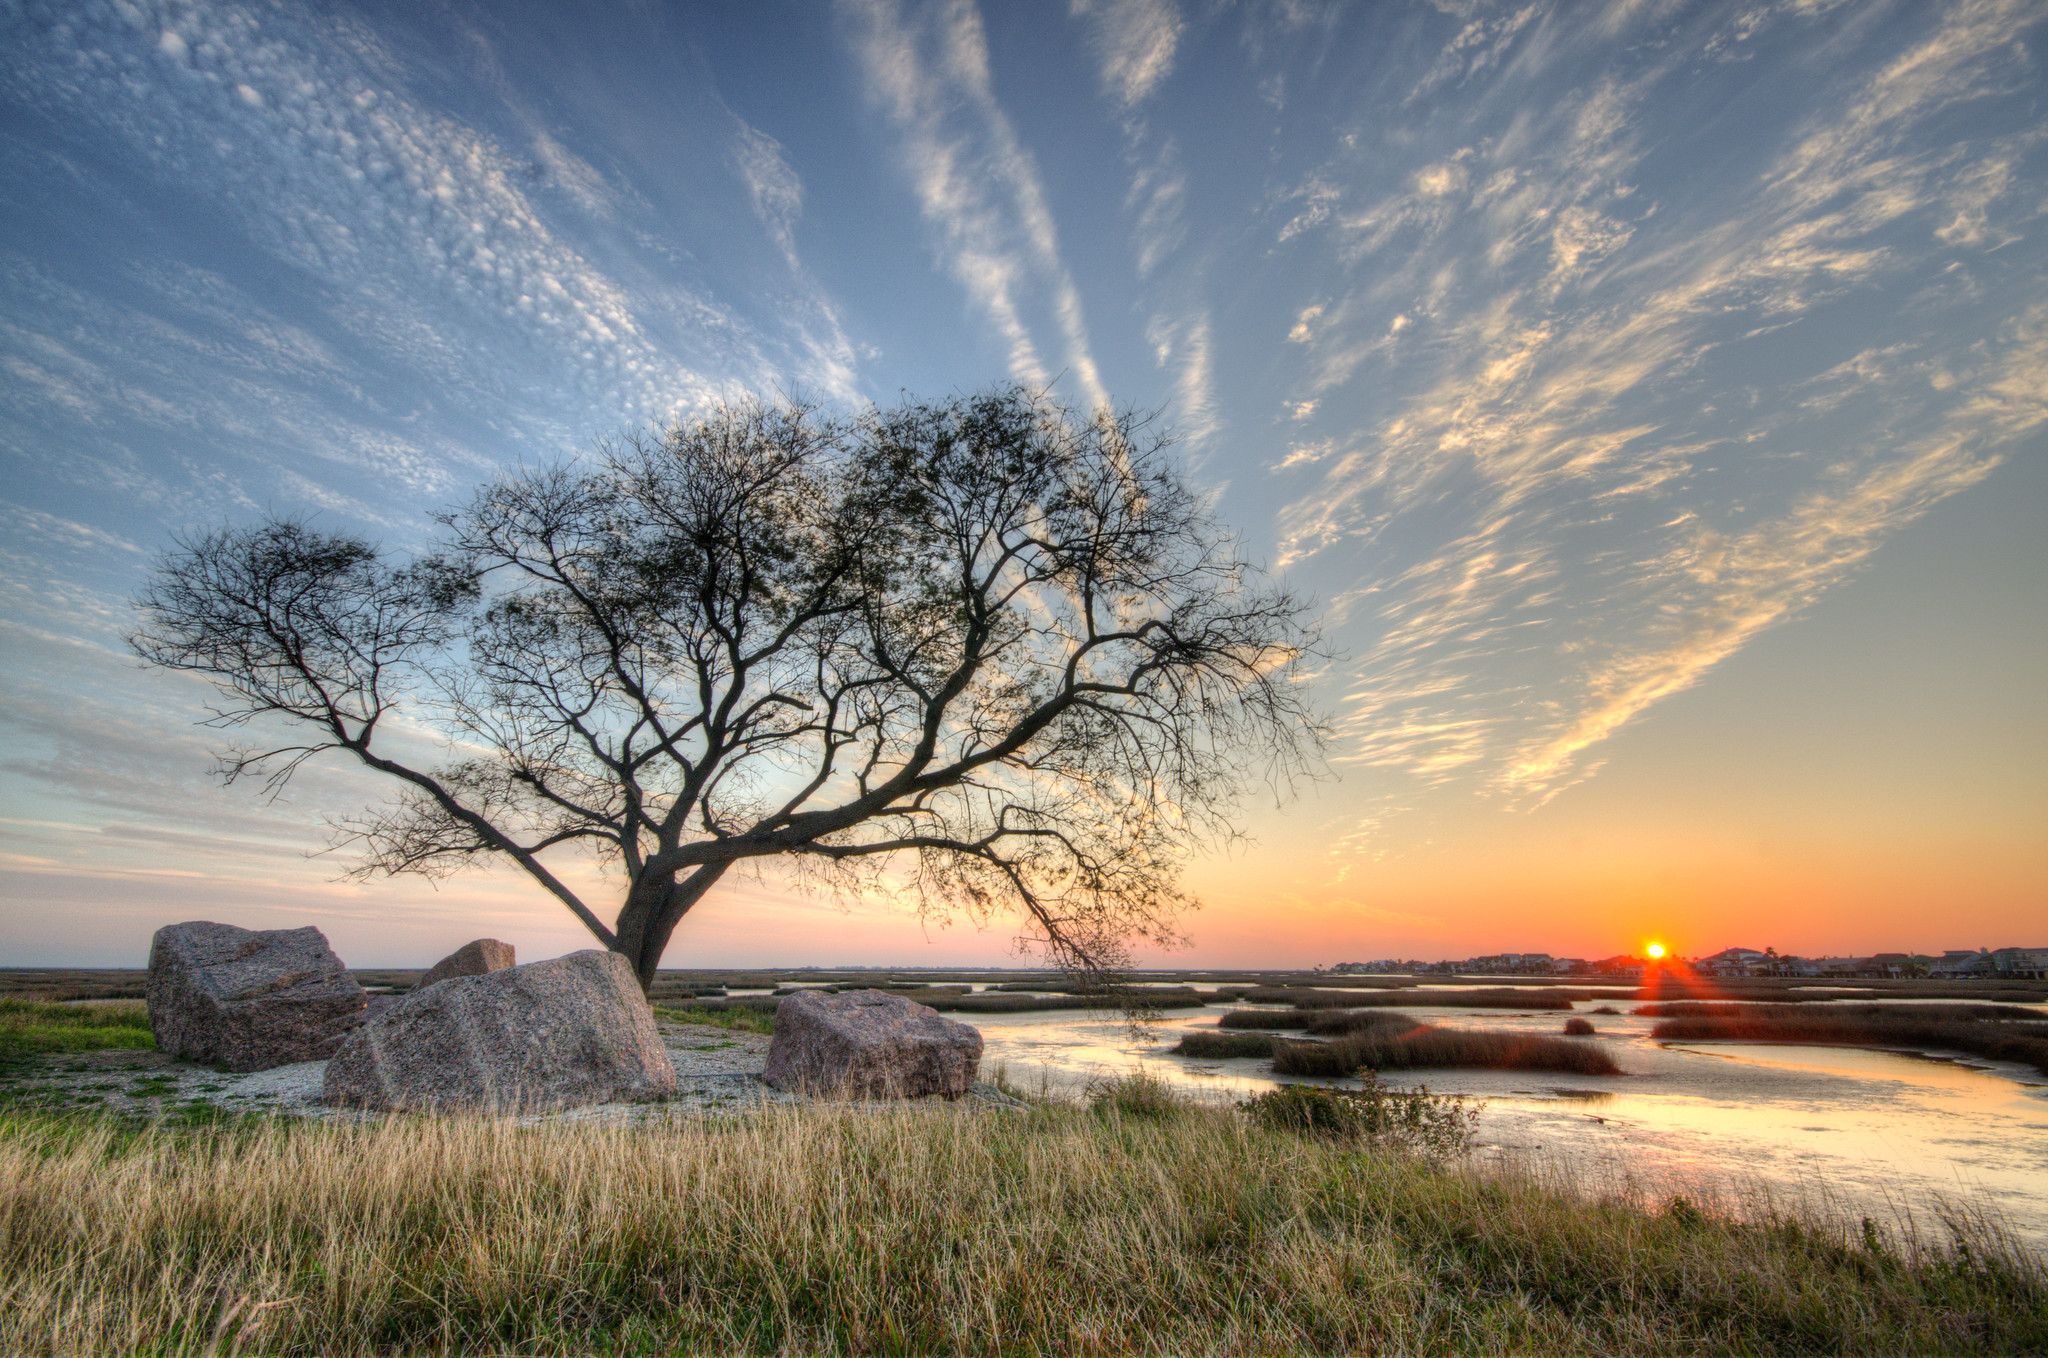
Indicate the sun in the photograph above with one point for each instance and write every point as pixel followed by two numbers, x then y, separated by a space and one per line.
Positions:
pixel 1656 950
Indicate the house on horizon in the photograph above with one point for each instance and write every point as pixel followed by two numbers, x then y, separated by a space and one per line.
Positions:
pixel 1736 962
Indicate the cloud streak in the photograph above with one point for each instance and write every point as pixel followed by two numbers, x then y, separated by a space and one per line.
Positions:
pixel 927 71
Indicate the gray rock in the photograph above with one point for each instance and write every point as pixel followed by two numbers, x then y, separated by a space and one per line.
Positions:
pixel 864 1044
pixel 249 999
pixel 479 957
pixel 563 1033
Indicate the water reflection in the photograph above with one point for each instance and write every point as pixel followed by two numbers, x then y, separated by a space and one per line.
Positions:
pixel 1875 1132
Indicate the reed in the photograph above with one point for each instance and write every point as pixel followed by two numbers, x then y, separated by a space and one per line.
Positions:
pixel 1153 1229
pixel 1450 1047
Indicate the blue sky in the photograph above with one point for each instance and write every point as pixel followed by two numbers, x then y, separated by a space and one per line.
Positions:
pixel 1653 394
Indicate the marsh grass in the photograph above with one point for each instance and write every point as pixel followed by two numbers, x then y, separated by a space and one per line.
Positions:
pixel 1879 1011
pixel 39 1028
pixel 2025 1043
pixel 1494 997
pixel 1216 1042
pixel 1342 1022
pixel 1388 1049
pixel 1174 1229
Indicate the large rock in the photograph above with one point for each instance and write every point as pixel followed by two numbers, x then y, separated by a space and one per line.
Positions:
pixel 478 957
pixel 249 999
pixel 558 1034
pixel 865 1044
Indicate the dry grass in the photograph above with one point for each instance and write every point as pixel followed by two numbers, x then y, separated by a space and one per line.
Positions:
pixel 924 1230
pixel 1390 1049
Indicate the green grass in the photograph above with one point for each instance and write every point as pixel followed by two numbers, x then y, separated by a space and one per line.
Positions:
pixel 1139 1225
pixel 36 1028
pixel 739 1018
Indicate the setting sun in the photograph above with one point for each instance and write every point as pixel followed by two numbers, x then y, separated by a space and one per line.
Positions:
pixel 1656 950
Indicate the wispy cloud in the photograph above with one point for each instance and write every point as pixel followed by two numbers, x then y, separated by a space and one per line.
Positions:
pixel 927 70
pixel 1135 41
pixel 777 196
pixel 1636 498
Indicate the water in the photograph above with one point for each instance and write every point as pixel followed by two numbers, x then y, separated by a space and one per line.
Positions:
pixel 1863 1132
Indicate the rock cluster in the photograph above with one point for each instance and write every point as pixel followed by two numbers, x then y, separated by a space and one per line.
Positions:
pixel 478 957
pixel 249 999
pixel 867 1044
pixel 572 1031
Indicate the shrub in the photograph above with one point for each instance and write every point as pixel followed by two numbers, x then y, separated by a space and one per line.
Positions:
pixel 1578 1027
pixel 1137 1094
pixel 1415 1118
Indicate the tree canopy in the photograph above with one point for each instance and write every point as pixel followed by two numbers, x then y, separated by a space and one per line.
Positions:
pixel 984 651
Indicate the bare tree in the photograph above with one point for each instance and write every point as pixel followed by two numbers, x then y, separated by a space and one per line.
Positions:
pixel 984 650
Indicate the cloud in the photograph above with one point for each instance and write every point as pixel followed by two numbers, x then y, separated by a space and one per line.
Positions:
pixel 426 228
pixel 777 196
pixel 1611 487
pixel 1135 42
pixel 928 73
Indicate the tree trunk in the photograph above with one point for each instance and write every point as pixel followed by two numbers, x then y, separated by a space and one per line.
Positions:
pixel 655 904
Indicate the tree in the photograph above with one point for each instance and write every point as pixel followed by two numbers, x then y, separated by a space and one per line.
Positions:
pixel 982 650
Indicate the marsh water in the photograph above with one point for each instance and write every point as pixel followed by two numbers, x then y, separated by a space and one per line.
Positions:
pixel 1848 1130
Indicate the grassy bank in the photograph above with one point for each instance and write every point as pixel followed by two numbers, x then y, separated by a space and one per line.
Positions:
pixel 925 1230
pixel 39 1028
pixel 1395 1049
pixel 2025 1043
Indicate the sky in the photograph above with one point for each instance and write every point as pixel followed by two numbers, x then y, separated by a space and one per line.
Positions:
pixel 1653 397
